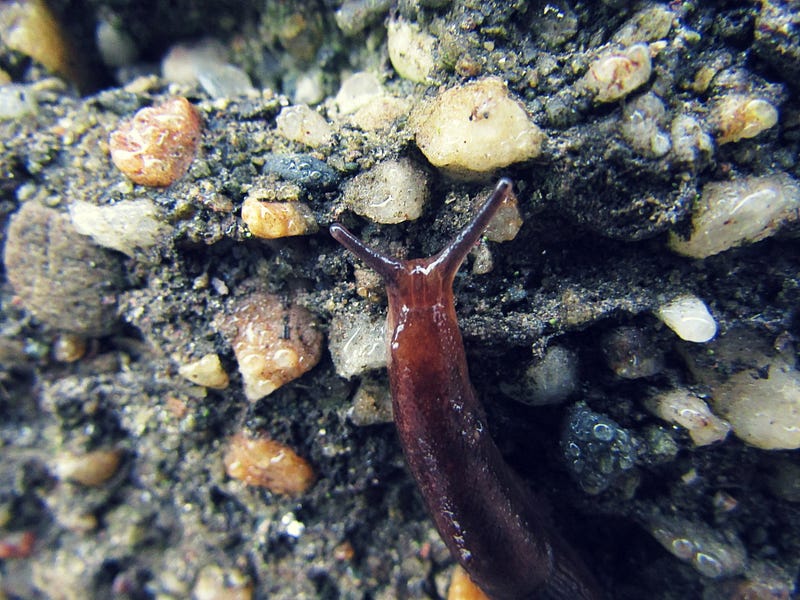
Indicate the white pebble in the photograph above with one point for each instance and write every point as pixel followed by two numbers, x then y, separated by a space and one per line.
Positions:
pixel 410 50
pixel 129 226
pixel 688 316
pixel 763 411
pixel 16 101
pixel 357 344
pixel 357 91
pixel 302 124
pixel 683 408
pixel 475 129
pixel 390 192
pixel 742 211
pixel 615 74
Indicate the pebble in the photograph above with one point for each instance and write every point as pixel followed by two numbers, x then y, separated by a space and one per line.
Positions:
pixel 462 587
pixel 356 91
pixel 16 101
pixel 68 348
pixel 689 317
pixel 357 343
pixel 91 469
pixel 411 50
pixel 631 353
pixel 682 407
pixel 132 227
pixel 302 124
pixel 303 169
pixel 741 211
pixel 691 145
pixel 267 463
pixel 116 47
pixel 617 73
pixel 354 15
pixel 596 449
pixel 392 191
pixel 552 379
pixel 47 263
pixel 641 126
pixel 30 27
pixel 215 583
pixel 475 129
pixel 206 371
pixel 763 411
pixel 506 222
pixel 647 25
pixel 372 404
pixel 183 61
pixel 274 342
pixel 739 117
pixel 272 220
pixel 157 146
pixel 711 553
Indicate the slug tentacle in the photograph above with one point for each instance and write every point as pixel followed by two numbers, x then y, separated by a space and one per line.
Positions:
pixel 491 521
pixel 384 265
pixel 449 258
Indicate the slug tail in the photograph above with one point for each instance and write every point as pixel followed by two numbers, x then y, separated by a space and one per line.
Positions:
pixel 386 266
pixel 449 259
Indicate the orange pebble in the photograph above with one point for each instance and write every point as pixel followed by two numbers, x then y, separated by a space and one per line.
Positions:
pixel 463 588
pixel 266 463
pixel 156 146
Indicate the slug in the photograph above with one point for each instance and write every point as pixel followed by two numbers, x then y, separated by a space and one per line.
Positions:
pixel 493 524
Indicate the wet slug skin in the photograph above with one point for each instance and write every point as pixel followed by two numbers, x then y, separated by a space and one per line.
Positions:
pixel 494 526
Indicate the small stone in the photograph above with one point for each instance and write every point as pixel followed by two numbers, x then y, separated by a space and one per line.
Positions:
pixel 739 117
pixel 206 371
pixel 302 169
pixel 156 147
pixel 274 342
pixel 90 469
pixel 357 343
pixel 183 61
pixel 372 404
pixel 116 47
pixel 475 129
pixel 215 583
pixel 357 91
pixel 304 125
pixel 615 74
pixel 16 101
pixel 266 463
pixel 69 348
pixel 763 411
pixel 688 316
pixel 392 191
pixel 691 145
pixel 631 353
pixel 506 222
pixel 411 50
pixel 683 408
pixel 641 124
pixel 711 553
pixel 225 81
pixel 61 277
pixel 272 220
pixel 552 379
pixel 463 588
pixel 647 25
pixel 130 226
pixel 742 211
pixel 30 27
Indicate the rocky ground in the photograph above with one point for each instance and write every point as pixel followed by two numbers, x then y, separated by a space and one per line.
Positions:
pixel 630 322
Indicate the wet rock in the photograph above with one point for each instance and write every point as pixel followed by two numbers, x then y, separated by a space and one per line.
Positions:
pixel 596 449
pixel 303 169
pixel 263 462
pixel 390 192
pixel 62 278
pixel 689 318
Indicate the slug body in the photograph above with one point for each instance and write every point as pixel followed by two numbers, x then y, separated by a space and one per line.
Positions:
pixel 492 523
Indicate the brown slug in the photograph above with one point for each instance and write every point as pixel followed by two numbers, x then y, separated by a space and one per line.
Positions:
pixel 493 524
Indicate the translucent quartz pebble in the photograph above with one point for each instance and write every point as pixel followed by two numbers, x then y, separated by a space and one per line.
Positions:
pixel 742 211
pixel 688 316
